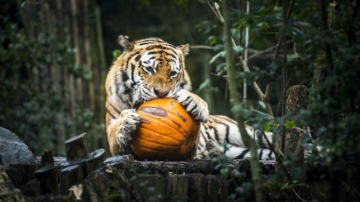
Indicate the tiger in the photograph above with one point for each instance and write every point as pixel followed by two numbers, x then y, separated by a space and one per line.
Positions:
pixel 151 68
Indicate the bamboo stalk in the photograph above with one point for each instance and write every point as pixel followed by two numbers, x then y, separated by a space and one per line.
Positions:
pixel 246 54
pixel 103 72
pixel 102 68
pixel 79 94
pixel 88 54
pixel 249 142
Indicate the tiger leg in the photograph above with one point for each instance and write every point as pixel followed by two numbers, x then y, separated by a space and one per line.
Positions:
pixel 241 153
pixel 120 129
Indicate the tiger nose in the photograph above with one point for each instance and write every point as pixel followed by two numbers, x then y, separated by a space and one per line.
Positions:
pixel 160 94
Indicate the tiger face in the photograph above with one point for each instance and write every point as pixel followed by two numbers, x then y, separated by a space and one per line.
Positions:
pixel 150 68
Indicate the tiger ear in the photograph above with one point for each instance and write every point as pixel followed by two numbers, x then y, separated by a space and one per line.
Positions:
pixel 126 42
pixel 185 49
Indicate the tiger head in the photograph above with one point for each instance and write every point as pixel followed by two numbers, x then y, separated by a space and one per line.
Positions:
pixel 150 68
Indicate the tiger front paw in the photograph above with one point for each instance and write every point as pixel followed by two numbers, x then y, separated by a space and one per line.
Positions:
pixel 129 121
pixel 194 105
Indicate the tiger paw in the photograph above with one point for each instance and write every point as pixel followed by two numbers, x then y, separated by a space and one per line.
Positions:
pixel 129 121
pixel 194 105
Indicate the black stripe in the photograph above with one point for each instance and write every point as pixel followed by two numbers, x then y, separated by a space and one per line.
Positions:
pixel 216 133
pixel 132 75
pixel 208 135
pixel 241 156
pixel 182 85
pixel 155 52
pixel 115 108
pixel 111 115
pixel 124 76
pixel 227 133
pixel 203 135
pixel 127 90
pixel 137 58
pixel 172 55
pixel 260 155
pixel 146 93
pixel 270 155
pixel 195 106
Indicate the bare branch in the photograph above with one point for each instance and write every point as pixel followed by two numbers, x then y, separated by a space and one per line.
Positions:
pixel 265 51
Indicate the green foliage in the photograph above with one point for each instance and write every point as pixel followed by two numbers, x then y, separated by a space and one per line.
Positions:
pixel 116 54
pixel 305 53
pixel 30 100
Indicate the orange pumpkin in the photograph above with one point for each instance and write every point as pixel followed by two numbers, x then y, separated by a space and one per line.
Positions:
pixel 166 131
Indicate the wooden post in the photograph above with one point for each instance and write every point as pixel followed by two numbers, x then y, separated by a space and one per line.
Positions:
pixel 48 177
pixel 70 176
pixel 177 189
pixel 76 147
pixel 196 187
pixel 158 182
pixel 47 158
pixel 93 160
pixel 21 174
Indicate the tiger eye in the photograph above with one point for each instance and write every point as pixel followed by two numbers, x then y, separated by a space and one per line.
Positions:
pixel 172 73
pixel 148 68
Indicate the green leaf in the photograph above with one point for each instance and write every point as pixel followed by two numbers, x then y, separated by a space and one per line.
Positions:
pixel 116 54
pixel 290 124
pixel 221 53
pixel 267 127
pixel 238 49
pixel 262 104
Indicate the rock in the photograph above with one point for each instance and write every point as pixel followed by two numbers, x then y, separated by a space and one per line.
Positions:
pixel 8 192
pixel 14 151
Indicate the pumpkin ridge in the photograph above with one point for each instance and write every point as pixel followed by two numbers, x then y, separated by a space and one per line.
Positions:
pixel 149 148
pixel 180 118
pixel 158 143
pixel 160 134
pixel 152 118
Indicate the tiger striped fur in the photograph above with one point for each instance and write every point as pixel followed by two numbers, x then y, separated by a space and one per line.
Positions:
pixel 152 68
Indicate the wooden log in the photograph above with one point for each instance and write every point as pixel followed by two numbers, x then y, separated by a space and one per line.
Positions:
pixel 48 177
pixel 215 188
pixel 70 176
pixel 177 187
pixel 196 187
pixel 93 160
pixel 20 174
pixel 47 158
pixel 76 147
pixel 80 163
pixel 157 183
pixel 31 188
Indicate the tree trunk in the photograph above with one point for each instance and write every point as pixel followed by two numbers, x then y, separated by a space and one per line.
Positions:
pixel 296 99
pixel 249 142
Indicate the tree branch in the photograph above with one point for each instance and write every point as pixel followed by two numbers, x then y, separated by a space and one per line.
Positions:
pixel 249 142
